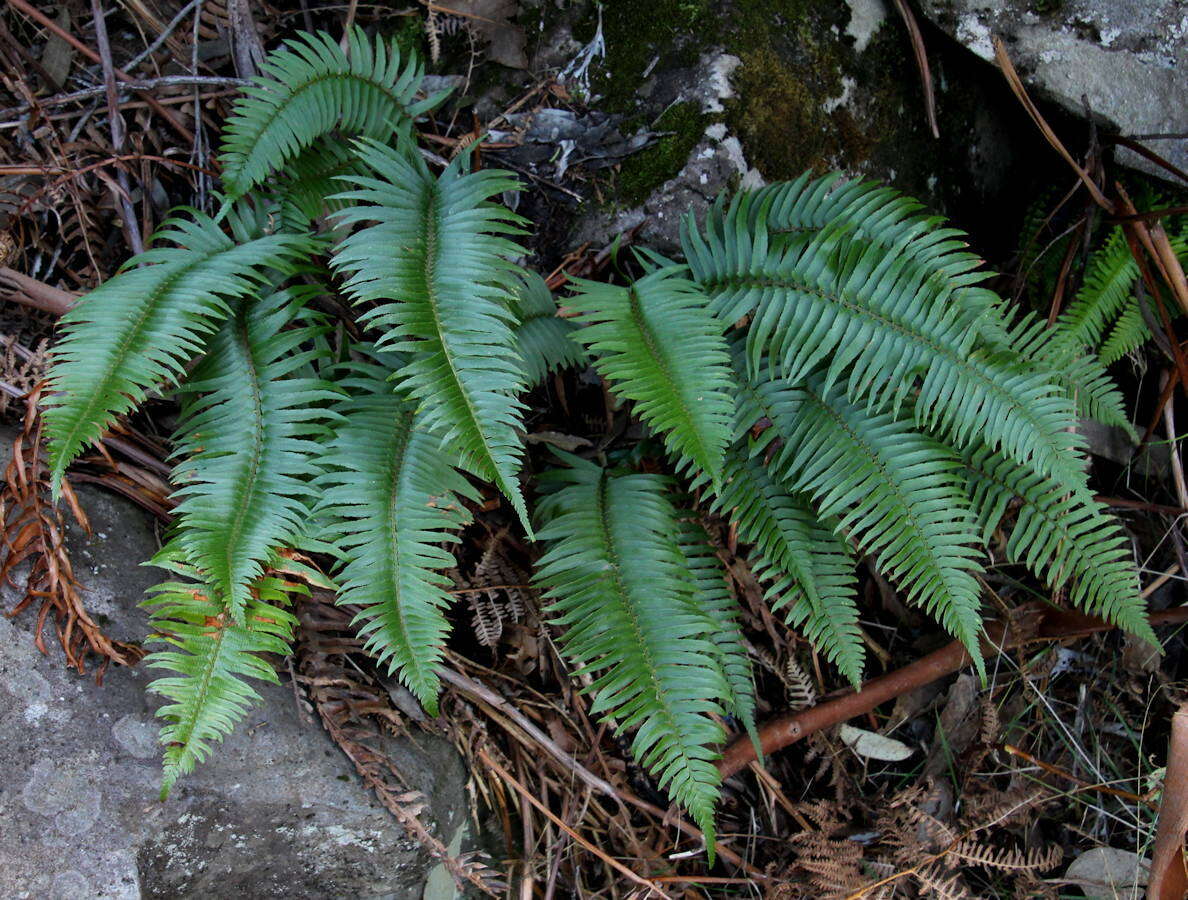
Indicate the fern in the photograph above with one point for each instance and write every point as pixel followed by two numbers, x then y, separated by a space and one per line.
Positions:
pixel 658 345
pixel 247 445
pixel 827 371
pixel 616 581
pixel 390 500
pixel 543 339
pixel 1105 291
pixel 213 655
pixel 896 493
pixel 874 317
pixel 310 89
pixel 437 266
pixel 1062 537
pixel 138 330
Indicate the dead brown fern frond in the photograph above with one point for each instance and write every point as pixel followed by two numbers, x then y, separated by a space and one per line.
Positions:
pixel 35 536
pixel 1037 859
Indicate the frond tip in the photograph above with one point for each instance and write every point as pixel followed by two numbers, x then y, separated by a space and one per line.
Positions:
pixel 213 655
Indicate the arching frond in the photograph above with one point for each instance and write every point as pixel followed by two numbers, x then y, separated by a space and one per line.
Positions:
pixel 246 444
pixel 391 499
pixel 436 267
pixel 658 345
pixel 310 88
pixel 1129 332
pixel 1064 538
pixel 897 493
pixel 875 319
pixel 544 339
pixel 212 655
pixel 616 581
pixel 711 598
pixel 310 180
pixel 138 330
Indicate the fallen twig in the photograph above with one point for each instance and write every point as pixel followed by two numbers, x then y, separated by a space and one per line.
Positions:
pixel 1043 624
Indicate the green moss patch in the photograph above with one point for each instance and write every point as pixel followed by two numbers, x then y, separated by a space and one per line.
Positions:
pixel 645 171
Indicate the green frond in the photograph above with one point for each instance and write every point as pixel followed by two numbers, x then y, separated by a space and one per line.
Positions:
pixel 898 494
pixel 308 89
pixel 212 655
pixel 1129 332
pixel 1109 280
pixel 390 501
pixel 878 214
pixel 138 330
pixel 544 339
pixel 1066 539
pixel 711 598
pixel 246 444
pixel 807 568
pixel 659 346
pixel 437 274
pixel 616 581
pixel 1082 375
pixel 875 319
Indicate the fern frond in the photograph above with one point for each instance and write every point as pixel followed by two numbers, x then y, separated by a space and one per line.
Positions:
pixel 138 330
pixel 808 570
pixel 310 181
pixel 310 88
pixel 390 500
pixel 711 598
pixel 212 656
pixel 246 444
pixel 659 346
pixel 875 318
pixel 437 265
pixel 897 493
pixel 1109 280
pixel 1063 537
pixel 1129 332
pixel 616 580
pixel 544 339
pixel 1081 374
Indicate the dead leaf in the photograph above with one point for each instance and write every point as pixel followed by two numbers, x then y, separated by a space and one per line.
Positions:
pixel 874 746
pixel 1169 868
pixel 1107 873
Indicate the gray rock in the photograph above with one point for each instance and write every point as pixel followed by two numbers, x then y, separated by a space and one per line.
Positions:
pixel 1127 57
pixel 277 811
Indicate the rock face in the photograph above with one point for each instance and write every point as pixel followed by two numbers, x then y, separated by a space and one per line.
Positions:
pixel 277 811
pixel 1127 57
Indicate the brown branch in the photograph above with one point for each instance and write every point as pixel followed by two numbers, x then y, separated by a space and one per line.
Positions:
pixel 1037 623
pixel 27 291
pixel 1169 868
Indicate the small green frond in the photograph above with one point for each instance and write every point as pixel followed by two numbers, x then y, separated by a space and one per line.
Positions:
pixel 212 656
pixel 310 88
pixel 659 346
pixel 898 494
pixel 138 330
pixel 437 274
pixel 544 339
pixel 711 598
pixel 1109 280
pixel 809 570
pixel 390 500
pixel 1065 538
pixel 246 444
pixel 876 320
pixel 1082 375
pixel 1130 331
pixel 310 180
pixel 616 581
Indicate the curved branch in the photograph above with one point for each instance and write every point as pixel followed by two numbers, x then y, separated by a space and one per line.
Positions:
pixel 27 291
